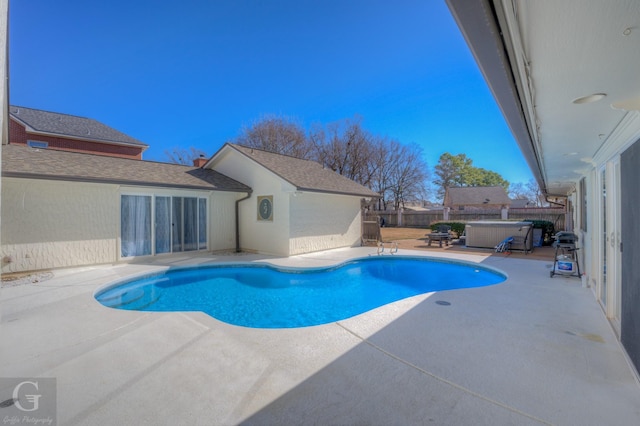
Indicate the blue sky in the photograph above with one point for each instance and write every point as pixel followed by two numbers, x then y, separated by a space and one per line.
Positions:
pixel 191 73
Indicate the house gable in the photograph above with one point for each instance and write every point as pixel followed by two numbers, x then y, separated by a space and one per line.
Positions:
pixel 303 175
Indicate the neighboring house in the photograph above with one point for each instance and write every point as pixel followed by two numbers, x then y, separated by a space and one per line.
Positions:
pixel 44 129
pixel 521 203
pixel 476 198
pixel 571 99
pixel 297 206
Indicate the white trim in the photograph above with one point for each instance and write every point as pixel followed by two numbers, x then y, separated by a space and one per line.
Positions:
pixel 622 137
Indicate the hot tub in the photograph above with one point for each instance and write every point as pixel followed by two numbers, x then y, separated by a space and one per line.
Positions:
pixel 488 233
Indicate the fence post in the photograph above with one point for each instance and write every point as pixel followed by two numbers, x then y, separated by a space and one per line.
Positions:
pixel 399 217
pixel 445 214
pixel 504 213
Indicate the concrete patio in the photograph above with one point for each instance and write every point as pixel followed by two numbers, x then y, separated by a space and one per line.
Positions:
pixel 532 350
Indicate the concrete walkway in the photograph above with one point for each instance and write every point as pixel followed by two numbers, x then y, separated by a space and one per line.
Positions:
pixel 533 350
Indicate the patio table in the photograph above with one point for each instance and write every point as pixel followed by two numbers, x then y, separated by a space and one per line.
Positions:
pixel 439 237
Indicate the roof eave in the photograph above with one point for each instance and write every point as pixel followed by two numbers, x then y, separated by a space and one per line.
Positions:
pixel 34 131
pixel 351 194
pixel 487 41
pixel 85 179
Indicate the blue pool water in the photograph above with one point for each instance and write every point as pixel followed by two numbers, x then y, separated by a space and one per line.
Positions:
pixel 267 297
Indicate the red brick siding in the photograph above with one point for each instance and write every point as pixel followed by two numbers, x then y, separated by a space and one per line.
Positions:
pixel 19 136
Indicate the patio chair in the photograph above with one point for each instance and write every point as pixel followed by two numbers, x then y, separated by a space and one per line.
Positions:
pixel 504 245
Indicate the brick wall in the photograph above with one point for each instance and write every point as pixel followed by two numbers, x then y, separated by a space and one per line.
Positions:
pixel 19 136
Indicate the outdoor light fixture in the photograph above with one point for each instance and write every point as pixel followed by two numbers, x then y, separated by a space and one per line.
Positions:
pixel 589 98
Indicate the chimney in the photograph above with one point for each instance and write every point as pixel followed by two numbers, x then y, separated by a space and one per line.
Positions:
pixel 200 161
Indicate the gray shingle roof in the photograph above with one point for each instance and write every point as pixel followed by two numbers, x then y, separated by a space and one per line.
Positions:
pixel 474 195
pixel 22 161
pixel 305 175
pixel 71 125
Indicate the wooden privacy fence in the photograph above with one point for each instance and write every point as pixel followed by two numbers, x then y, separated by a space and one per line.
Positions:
pixel 423 219
pixel 370 227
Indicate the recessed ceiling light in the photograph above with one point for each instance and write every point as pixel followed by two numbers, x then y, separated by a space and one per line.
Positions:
pixel 589 98
pixel 627 31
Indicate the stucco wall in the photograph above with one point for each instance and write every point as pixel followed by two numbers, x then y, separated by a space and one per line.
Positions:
pixel 222 222
pixel 269 237
pixel 53 224
pixel 323 221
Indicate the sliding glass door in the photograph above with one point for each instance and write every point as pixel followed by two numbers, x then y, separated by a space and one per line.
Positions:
pixel 162 224
pixel 186 236
pixel 190 224
pixel 202 223
pixel 176 224
pixel 135 225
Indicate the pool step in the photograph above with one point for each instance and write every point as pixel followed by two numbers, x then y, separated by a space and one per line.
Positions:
pixel 122 298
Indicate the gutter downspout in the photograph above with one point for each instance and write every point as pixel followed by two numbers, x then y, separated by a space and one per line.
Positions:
pixel 238 221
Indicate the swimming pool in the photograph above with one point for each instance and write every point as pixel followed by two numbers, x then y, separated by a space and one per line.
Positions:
pixel 264 296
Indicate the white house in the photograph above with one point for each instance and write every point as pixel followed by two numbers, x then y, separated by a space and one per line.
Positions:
pixel 296 206
pixel 62 209
pixel 565 75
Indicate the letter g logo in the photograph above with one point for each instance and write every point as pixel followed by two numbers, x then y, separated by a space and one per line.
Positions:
pixel 33 399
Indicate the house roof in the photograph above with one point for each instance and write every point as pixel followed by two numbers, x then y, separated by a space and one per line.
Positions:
pixel 305 175
pixel 56 124
pixel 519 203
pixel 474 195
pixel 26 162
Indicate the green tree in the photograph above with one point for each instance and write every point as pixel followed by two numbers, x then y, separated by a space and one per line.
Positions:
pixel 458 170
pixel 450 171
pixel 482 177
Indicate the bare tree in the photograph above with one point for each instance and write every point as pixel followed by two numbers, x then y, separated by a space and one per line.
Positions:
pixel 395 171
pixel 380 170
pixel 535 193
pixel 527 191
pixel 184 156
pixel 517 191
pixel 344 147
pixel 278 134
pixel 408 173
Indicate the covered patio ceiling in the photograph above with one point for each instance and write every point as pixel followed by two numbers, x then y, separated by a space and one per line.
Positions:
pixel 566 75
